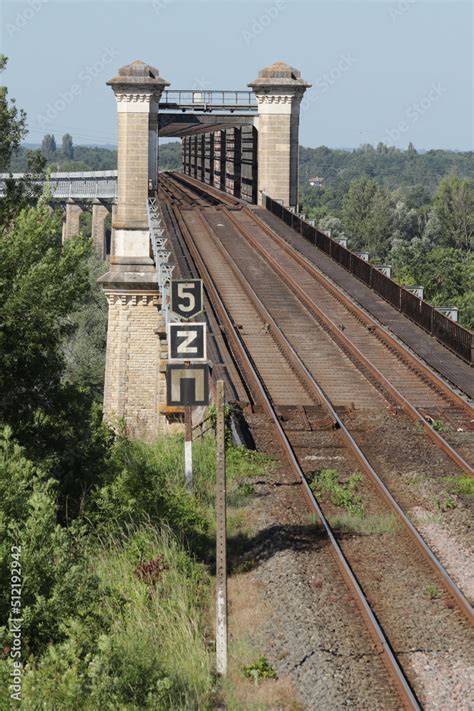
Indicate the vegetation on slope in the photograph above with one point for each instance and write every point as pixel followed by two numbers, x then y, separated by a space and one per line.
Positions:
pixel 114 556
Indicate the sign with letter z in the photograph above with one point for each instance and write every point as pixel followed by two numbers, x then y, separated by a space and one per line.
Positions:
pixel 187 341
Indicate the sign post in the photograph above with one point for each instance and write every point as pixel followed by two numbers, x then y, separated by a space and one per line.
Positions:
pixel 221 558
pixel 187 383
pixel 188 448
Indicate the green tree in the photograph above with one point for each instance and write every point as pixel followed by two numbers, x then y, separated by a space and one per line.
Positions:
pixel 368 216
pixel 357 207
pixel 12 123
pixel 454 207
pixel 67 148
pixel 17 193
pixel 48 147
pixel 84 348
pixel 447 274
pixel 40 283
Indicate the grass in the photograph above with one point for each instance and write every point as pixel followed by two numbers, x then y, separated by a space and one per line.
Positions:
pixel 437 425
pixel 326 483
pixel 463 485
pixel 240 690
pixel 374 525
pixel 260 669
pixel 433 592
pixel 144 647
pixel 241 464
pixel 445 503
pixel 145 641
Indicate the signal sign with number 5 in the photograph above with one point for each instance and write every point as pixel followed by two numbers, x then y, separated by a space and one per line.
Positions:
pixel 186 298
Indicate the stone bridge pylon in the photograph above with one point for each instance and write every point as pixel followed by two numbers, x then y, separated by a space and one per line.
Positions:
pixel 257 128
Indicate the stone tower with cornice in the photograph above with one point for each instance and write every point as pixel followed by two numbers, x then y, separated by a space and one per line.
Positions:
pixel 134 382
pixel 279 90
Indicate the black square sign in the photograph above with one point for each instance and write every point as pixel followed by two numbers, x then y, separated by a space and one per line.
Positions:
pixel 186 298
pixel 187 341
pixel 187 385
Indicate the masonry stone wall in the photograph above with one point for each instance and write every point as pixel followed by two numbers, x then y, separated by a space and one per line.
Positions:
pixel 72 225
pixel 134 351
pixel 132 169
pixel 274 141
pixel 99 215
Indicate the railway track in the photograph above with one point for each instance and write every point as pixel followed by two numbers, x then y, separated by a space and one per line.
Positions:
pixel 271 318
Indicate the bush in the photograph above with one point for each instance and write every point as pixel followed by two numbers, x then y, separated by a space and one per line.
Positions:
pixel 146 483
pixel 55 582
pixel 151 652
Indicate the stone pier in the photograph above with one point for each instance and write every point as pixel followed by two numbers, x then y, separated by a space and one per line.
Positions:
pixel 134 382
pixel 72 225
pixel 279 90
pixel 99 215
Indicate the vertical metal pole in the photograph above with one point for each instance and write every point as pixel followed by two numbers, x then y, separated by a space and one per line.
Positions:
pixel 188 448
pixel 221 562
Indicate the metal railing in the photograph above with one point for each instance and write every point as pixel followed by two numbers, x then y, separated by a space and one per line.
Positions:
pixel 85 185
pixel 457 338
pixel 202 428
pixel 205 100
pixel 158 240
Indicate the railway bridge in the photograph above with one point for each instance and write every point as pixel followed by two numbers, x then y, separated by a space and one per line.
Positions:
pixel 92 191
pixel 240 146
pixel 340 362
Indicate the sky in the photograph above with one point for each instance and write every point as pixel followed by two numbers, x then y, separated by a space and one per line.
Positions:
pixel 396 72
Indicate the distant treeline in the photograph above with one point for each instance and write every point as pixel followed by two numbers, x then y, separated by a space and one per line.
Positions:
pixel 387 166
pixel 67 157
pixel 70 158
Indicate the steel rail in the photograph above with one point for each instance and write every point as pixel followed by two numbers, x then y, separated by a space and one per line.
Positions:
pixel 201 187
pixel 401 350
pixel 241 352
pixel 367 319
pixel 295 361
pixel 339 336
pixel 178 191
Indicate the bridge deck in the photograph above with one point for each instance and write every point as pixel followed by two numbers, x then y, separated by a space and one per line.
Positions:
pixel 426 347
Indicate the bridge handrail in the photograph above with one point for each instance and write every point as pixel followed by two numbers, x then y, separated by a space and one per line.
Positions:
pixel 84 175
pixel 208 98
pixel 85 185
pixel 451 334
pixel 158 240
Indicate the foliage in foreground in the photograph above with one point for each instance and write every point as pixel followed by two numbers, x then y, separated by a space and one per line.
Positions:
pixel 138 644
pixel 115 605
pixel 99 630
